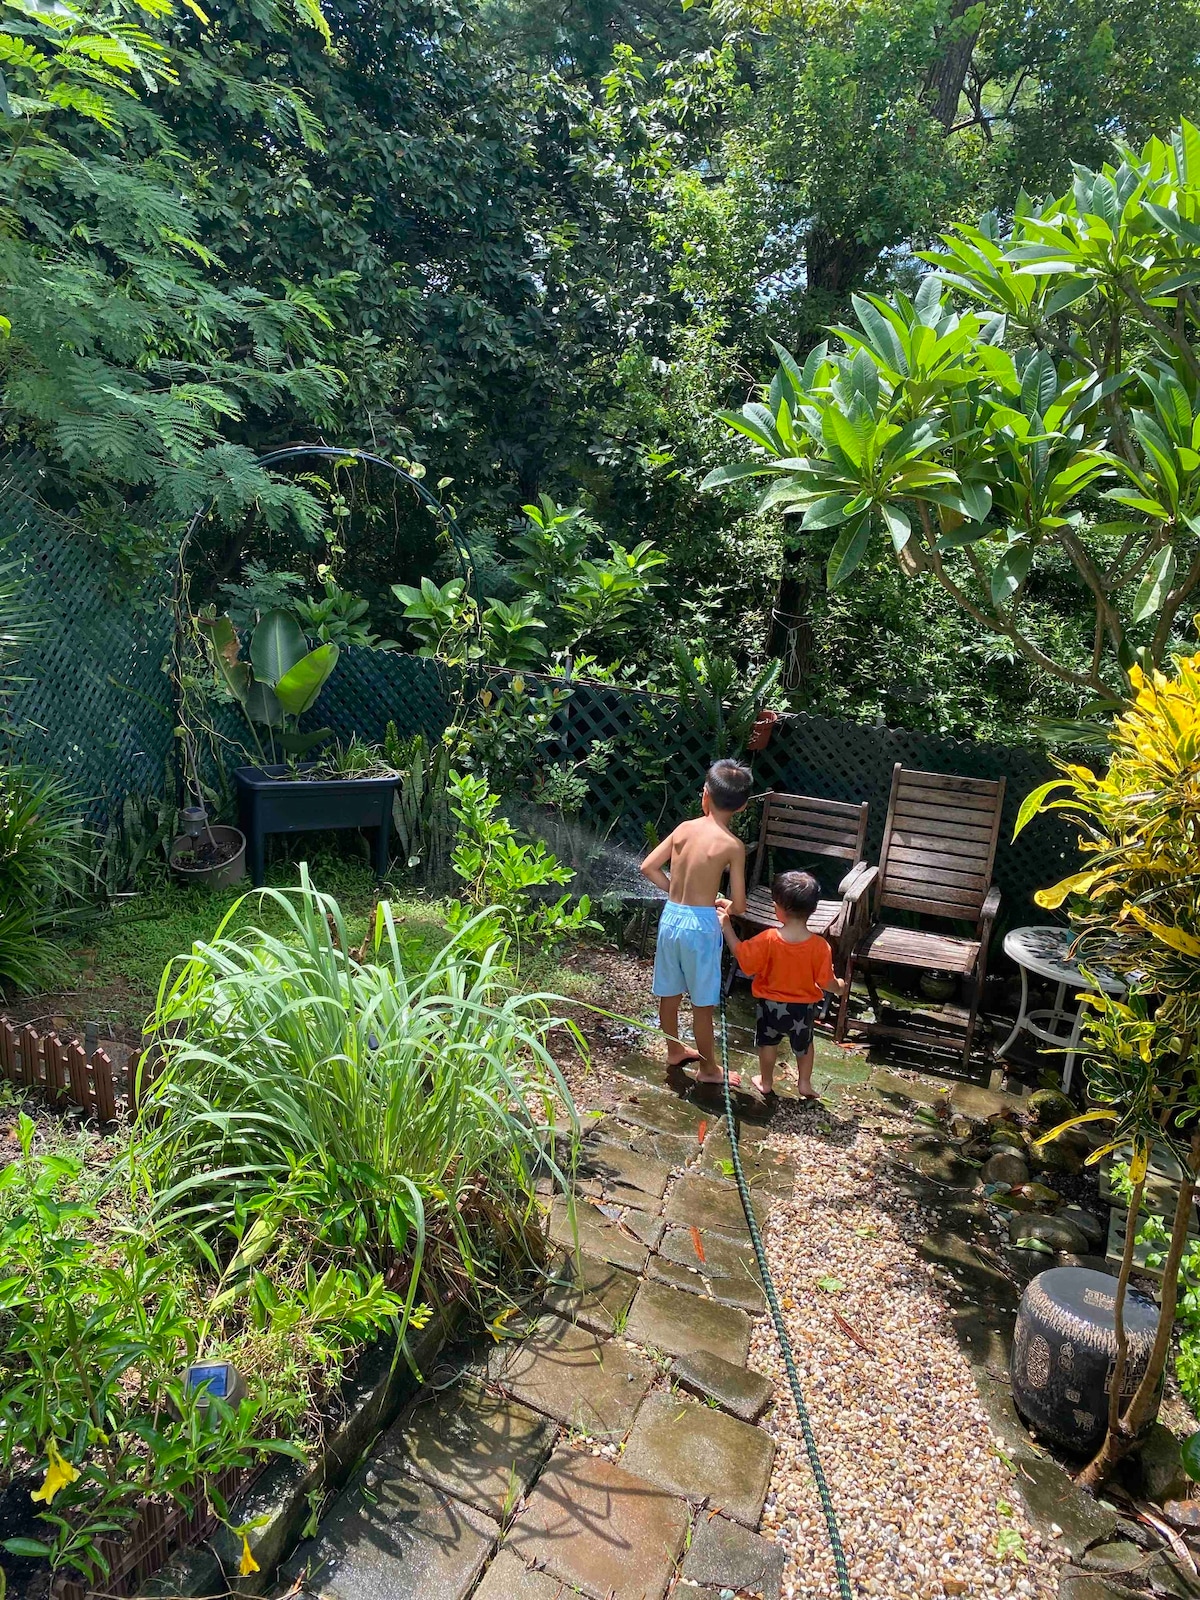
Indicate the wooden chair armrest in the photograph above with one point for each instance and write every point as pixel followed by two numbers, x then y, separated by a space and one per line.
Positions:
pixel 848 880
pixel 859 882
pixel 991 908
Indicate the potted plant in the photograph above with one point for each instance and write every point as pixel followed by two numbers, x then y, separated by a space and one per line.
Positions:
pixel 1136 903
pixel 282 680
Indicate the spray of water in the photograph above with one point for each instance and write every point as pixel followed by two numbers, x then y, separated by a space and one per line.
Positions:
pixel 602 864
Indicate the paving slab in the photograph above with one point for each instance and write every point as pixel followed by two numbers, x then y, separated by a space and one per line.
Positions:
pixel 735 1388
pixel 390 1537
pixel 590 1292
pixel 575 1376
pixel 481 1447
pixel 508 1578
pixel 676 1149
pixel 1050 1495
pixel 723 1556
pixel 600 1527
pixel 763 1170
pixel 972 1100
pixel 673 1321
pixel 604 1237
pixel 663 1113
pixel 723 1256
pixel 712 1203
pixel 741 1293
pixel 907 1092
pixel 695 1451
pixel 613 1169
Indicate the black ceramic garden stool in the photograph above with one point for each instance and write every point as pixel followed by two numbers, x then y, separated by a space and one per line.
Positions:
pixel 1064 1352
pixel 271 802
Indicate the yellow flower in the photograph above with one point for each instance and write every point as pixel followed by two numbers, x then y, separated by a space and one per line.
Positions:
pixel 59 1474
pixel 247 1564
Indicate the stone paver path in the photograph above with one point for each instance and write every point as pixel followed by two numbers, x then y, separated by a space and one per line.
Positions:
pixel 611 1450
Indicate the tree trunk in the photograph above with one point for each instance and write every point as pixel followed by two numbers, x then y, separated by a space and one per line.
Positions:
pixel 835 264
pixel 789 635
pixel 1119 1441
pixel 948 74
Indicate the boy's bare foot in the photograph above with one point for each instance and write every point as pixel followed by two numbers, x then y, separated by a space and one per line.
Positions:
pixel 713 1079
pixel 686 1060
pixel 808 1094
pixel 764 1090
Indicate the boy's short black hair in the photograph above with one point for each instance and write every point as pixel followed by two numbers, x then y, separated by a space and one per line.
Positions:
pixel 728 784
pixel 796 892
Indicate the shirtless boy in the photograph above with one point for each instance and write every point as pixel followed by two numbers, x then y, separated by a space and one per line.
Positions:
pixel 689 866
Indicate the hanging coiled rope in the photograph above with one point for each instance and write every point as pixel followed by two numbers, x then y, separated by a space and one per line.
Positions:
pixel 785 1346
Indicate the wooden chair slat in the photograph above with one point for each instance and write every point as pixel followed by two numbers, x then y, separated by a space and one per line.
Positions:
pixel 914 947
pixel 965 824
pixel 948 783
pixel 817 823
pixel 947 910
pixel 970 851
pixel 941 868
pixel 955 900
pixel 933 881
pixel 812 844
pixel 778 803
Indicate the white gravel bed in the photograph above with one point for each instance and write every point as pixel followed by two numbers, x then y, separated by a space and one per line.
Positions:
pixel 925 1503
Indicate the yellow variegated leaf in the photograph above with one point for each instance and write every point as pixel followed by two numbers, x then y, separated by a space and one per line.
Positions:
pixel 1139 1162
pixel 1176 938
pixel 1074 1122
pixel 1099 1155
pixel 1077 883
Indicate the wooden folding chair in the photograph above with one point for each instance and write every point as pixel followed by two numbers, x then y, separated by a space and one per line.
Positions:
pixel 939 848
pixel 804 826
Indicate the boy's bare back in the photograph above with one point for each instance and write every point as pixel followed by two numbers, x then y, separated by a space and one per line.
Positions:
pixel 702 851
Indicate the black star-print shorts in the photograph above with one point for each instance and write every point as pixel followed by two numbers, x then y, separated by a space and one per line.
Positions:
pixel 786 1019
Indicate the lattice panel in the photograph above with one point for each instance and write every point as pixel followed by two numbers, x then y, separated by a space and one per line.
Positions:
pixel 96 700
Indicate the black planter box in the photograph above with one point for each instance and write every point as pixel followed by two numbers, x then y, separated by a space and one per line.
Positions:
pixel 269 802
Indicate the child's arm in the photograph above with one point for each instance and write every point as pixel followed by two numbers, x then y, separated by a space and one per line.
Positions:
pixel 725 914
pixel 652 866
pixel 737 881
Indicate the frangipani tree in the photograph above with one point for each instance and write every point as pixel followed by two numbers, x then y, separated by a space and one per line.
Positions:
pixel 1137 904
pixel 1035 405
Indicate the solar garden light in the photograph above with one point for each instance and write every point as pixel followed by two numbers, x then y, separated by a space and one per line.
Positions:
pixel 192 821
pixel 209 1380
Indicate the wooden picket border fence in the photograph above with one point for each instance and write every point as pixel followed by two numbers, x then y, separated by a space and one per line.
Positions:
pixel 67 1075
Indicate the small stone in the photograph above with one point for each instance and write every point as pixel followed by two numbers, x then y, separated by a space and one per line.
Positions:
pixel 1182 1513
pixel 1158 1465
pixel 1165 1578
pixel 1117 1555
pixel 1048 1107
pixel 1090 1226
pixel 1006 1166
pixel 1054 1231
pixel 1040 1194
pixel 744 1394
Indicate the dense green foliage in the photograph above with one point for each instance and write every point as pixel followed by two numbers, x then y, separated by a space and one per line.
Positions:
pixel 1050 426
pixel 528 251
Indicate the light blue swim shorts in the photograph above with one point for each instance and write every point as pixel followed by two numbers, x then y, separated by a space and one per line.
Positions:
pixel 688 955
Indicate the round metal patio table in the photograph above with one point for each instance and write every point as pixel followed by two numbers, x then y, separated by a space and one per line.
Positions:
pixel 1045 951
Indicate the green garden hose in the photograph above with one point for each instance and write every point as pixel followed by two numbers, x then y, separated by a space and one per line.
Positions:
pixel 785 1346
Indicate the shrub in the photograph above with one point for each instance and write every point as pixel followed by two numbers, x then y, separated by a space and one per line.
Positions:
pixel 41 871
pixel 398 1115
pixel 501 872
pixel 1136 904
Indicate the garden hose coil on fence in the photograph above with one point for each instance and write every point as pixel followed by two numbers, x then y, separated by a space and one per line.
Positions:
pixel 785 1346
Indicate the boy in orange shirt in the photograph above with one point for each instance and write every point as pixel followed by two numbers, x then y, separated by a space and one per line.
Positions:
pixel 791 969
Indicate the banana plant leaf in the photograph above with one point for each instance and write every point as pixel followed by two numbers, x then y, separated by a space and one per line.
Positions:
pixel 262 705
pixel 300 685
pixel 233 673
pixel 276 646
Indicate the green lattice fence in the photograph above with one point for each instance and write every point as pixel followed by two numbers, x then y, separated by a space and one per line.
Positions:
pixel 96 702
pixel 657 755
